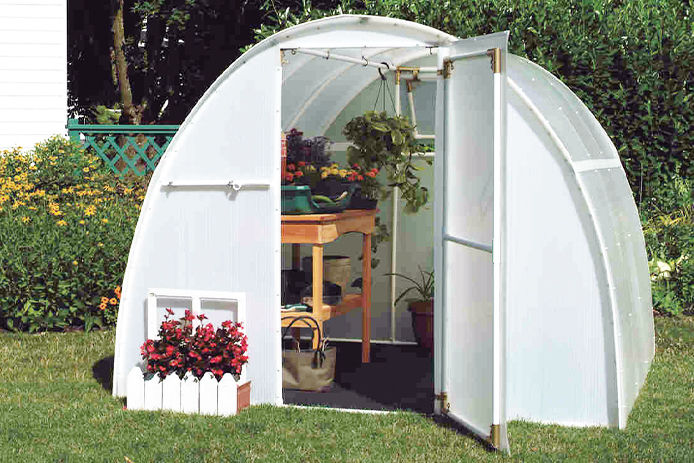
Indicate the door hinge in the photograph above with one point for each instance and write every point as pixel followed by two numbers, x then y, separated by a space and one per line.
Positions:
pixel 443 402
pixel 447 69
pixel 495 55
pixel 494 433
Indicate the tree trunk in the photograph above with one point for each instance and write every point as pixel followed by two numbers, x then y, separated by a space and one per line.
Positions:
pixel 131 113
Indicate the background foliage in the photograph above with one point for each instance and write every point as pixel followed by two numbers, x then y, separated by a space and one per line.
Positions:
pixel 175 49
pixel 65 229
pixel 629 61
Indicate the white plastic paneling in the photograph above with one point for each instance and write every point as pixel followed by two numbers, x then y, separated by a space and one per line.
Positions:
pixel 171 393
pixel 571 120
pixel 213 238
pixel 227 395
pixel 468 293
pixel 33 71
pixel 556 317
pixel 208 394
pixel 190 394
pixel 623 245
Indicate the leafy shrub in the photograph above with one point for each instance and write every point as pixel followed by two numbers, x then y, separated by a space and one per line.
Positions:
pixel 66 224
pixel 670 245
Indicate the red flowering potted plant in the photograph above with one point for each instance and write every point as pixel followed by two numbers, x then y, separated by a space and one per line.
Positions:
pixel 185 359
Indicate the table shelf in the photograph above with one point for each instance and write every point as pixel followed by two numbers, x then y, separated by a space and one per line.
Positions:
pixel 349 302
pixel 318 230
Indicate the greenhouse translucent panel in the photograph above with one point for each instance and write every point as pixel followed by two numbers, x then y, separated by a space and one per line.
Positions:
pixel 622 240
pixel 555 318
pixel 469 292
pixel 568 116
pixel 469 163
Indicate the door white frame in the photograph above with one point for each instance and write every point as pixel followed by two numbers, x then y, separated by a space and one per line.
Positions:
pixel 495 435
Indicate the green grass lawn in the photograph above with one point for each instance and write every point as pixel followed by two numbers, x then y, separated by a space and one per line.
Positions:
pixel 53 407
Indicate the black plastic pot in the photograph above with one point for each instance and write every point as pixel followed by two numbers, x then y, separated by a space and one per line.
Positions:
pixel 332 188
pixel 359 202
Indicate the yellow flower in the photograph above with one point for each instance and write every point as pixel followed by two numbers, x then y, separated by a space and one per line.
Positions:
pixel 334 171
pixel 324 174
pixel 86 169
pixel 343 173
pixel 61 223
pixel 104 220
pixel 113 301
pixel 26 219
pixel 90 210
pixel 74 262
pixel 101 245
pixel 81 222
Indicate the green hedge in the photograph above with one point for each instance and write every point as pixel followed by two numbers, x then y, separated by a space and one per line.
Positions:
pixel 65 229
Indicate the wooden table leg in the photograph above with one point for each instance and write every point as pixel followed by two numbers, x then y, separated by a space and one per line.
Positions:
pixel 366 300
pixel 317 285
pixel 296 265
pixel 296 256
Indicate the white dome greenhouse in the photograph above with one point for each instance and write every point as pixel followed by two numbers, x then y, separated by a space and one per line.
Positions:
pixel 542 300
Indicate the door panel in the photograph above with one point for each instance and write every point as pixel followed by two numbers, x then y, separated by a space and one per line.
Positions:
pixel 469 216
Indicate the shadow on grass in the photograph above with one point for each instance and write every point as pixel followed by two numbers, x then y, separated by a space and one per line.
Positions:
pixel 102 371
pixel 448 423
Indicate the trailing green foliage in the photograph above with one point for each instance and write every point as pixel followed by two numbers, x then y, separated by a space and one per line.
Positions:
pixel 387 143
pixel 65 229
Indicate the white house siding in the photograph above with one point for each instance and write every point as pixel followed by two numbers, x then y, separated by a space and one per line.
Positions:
pixel 33 71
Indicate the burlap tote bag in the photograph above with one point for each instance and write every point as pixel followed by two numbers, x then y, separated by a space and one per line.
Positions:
pixel 307 369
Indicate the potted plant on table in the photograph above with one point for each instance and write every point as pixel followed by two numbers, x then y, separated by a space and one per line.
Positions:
pixel 421 307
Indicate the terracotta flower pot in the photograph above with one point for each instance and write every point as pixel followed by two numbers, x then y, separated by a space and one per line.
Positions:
pixel 423 323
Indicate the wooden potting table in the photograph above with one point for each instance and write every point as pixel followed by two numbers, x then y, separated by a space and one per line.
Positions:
pixel 317 230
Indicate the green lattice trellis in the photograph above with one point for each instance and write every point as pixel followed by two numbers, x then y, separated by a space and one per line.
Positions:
pixel 124 148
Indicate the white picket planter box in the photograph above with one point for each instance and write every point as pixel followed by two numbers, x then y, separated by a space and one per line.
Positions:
pixel 206 395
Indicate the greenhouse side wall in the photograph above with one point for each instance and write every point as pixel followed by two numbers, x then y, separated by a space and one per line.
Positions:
pixel 557 369
pixel 207 236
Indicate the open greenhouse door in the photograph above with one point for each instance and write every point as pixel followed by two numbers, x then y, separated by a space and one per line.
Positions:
pixel 469 309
